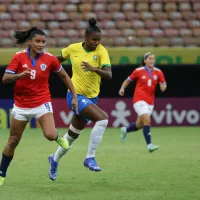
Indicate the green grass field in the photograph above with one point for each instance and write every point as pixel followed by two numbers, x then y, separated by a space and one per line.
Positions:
pixel 129 171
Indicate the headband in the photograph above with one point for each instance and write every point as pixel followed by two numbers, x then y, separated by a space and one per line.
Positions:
pixel 146 55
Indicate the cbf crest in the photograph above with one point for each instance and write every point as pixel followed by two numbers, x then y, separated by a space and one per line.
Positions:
pixel 95 57
pixel 155 77
pixel 43 67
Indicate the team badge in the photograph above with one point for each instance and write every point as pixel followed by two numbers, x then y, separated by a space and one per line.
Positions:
pixel 95 57
pixel 43 67
pixel 155 77
pixel 143 77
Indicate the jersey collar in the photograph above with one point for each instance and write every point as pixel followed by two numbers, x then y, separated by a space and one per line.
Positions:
pixel 88 51
pixel 148 71
pixel 33 61
pixel 145 67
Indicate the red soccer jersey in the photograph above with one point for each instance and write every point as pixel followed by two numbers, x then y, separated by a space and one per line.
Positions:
pixel 146 82
pixel 33 90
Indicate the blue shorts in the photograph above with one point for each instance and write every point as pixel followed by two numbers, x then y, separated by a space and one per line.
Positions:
pixel 83 102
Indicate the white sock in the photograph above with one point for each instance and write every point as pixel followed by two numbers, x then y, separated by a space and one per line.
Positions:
pixel 60 151
pixel 149 146
pixel 96 137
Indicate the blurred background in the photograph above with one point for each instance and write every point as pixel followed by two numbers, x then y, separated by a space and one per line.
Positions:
pixel 130 28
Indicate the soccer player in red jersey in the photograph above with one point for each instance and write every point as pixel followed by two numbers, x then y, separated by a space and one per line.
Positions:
pixel 147 78
pixel 30 70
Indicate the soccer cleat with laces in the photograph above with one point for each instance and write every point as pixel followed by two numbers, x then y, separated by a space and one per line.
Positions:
pixel 62 142
pixel 92 164
pixel 152 148
pixel 123 134
pixel 2 180
pixel 53 168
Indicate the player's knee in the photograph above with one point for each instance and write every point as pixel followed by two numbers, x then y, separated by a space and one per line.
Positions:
pixel 139 125
pixel 146 121
pixel 74 132
pixel 13 141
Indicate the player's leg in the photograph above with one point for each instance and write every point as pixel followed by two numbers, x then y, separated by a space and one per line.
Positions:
pixel 72 134
pixel 144 111
pixel 146 127
pixel 77 125
pixel 147 132
pixel 44 115
pixel 89 111
pixel 16 131
pixel 146 120
pixel 134 126
pixel 47 124
pixel 95 114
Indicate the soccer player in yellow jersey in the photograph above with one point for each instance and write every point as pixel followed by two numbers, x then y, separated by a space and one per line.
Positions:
pixel 90 63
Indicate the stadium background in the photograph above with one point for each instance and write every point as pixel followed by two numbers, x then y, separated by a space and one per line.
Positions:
pixel 170 29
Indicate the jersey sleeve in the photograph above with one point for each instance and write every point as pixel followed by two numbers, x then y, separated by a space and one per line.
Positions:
pixel 55 65
pixel 133 76
pixel 13 65
pixel 162 78
pixel 65 53
pixel 105 59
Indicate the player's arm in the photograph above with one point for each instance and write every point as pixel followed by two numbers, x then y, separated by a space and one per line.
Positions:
pixel 10 75
pixel 104 73
pixel 163 86
pixel 162 82
pixel 60 59
pixel 124 86
pixel 11 78
pixel 64 55
pixel 127 82
pixel 68 83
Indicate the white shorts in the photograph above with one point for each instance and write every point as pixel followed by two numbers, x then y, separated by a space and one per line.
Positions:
pixel 142 107
pixel 26 114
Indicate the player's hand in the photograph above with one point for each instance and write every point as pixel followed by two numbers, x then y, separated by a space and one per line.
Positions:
pixel 25 73
pixel 87 67
pixel 121 92
pixel 163 87
pixel 75 105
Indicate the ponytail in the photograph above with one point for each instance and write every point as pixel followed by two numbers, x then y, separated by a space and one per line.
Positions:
pixel 23 36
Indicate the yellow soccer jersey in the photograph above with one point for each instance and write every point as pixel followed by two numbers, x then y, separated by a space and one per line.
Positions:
pixel 86 83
